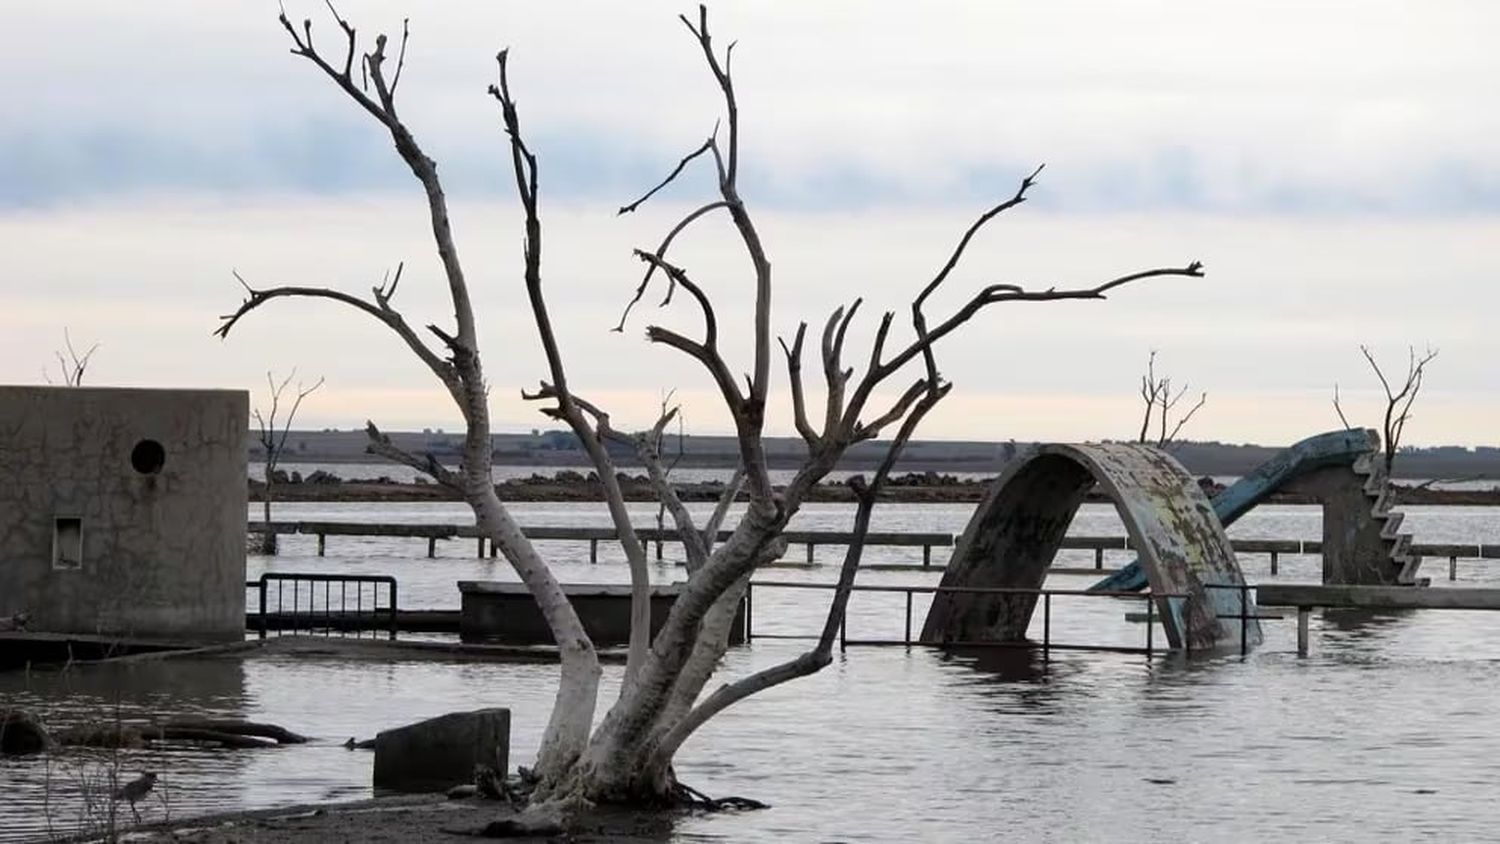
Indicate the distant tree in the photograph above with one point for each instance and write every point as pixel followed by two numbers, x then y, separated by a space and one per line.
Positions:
pixel 73 365
pixel 273 442
pixel 1397 402
pixel 1157 393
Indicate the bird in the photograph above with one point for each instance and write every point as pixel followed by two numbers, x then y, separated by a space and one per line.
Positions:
pixel 136 790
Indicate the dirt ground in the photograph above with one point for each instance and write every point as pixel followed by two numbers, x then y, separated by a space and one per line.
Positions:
pixel 390 820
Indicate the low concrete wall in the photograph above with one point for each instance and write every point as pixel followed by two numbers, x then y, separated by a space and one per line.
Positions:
pixel 504 612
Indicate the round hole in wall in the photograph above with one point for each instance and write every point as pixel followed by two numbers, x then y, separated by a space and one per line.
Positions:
pixel 148 457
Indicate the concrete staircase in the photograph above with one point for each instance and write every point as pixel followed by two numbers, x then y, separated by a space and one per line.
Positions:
pixel 1404 563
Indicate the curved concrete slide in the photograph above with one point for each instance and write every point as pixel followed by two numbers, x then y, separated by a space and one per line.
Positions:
pixel 1015 532
pixel 1334 448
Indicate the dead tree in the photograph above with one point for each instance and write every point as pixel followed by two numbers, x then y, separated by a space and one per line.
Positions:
pixel 1157 393
pixel 73 365
pixel 628 757
pixel 273 441
pixel 1398 402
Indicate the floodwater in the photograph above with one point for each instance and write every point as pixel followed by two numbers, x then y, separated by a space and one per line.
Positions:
pixel 1386 732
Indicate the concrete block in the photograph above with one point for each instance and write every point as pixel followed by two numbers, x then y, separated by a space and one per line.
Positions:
pixel 21 733
pixel 439 753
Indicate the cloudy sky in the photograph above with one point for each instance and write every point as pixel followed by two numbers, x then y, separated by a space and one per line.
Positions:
pixel 1334 165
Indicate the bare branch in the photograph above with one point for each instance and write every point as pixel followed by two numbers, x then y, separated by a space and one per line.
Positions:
pixel 1340 410
pixel 994 294
pixel 380 309
pixel 647 446
pixel 821 654
pixel 73 365
pixel 721 508
pixel 660 253
pixel 1398 402
pixel 963 242
pixel 680 277
pixel 897 411
pixel 1169 438
pixel 381 445
pixel 794 376
pixel 676 171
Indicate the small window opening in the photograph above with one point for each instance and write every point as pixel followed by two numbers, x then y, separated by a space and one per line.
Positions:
pixel 67 542
pixel 148 457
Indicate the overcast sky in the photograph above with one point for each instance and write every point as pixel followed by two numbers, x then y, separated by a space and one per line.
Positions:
pixel 1334 165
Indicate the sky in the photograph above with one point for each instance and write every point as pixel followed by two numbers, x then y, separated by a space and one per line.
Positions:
pixel 1333 165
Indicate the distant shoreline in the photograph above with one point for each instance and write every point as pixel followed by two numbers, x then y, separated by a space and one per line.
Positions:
pixel 911 488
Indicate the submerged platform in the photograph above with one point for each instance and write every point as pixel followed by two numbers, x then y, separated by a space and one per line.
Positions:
pixel 1375 597
pixel 21 648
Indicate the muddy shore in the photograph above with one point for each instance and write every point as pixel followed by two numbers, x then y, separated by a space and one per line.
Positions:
pixel 423 819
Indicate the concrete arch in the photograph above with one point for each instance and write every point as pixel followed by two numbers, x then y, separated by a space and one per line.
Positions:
pixel 1015 532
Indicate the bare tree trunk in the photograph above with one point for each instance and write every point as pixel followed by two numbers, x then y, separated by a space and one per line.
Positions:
pixel 268 540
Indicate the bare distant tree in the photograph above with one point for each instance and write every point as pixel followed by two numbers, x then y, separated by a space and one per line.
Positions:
pixel 1157 393
pixel 73 365
pixel 627 757
pixel 1398 402
pixel 273 441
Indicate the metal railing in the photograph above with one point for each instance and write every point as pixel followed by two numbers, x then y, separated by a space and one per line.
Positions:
pixel 927 541
pixel 355 612
pixel 1045 595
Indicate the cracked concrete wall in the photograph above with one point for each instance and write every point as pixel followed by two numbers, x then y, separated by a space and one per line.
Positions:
pixel 162 552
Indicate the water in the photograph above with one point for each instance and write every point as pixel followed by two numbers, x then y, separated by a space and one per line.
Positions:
pixel 888 743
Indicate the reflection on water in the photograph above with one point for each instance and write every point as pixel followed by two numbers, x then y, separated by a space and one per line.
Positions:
pixel 1388 731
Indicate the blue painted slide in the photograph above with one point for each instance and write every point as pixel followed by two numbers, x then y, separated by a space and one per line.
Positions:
pixel 1335 448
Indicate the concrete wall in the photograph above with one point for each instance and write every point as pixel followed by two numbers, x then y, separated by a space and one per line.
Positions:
pixel 122 512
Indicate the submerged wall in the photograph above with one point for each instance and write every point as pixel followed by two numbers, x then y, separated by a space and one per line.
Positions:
pixel 122 511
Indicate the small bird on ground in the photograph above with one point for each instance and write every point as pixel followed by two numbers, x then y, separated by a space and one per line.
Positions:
pixel 136 790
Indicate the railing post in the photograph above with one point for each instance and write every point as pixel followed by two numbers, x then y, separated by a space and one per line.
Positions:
pixel 1302 614
pixel 926 560
pixel 393 609
pixel 1452 568
pixel 1099 558
pixel 262 624
pixel 809 553
pixel 480 552
pixel 658 550
pixel 907 638
pixel 431 546
pixel 1046 626
pixel 593 550
pixel 1244 619
pixel 1150 623
pixel 494 549
pixel 321 539
pixel 1273 563
pixel 1182 615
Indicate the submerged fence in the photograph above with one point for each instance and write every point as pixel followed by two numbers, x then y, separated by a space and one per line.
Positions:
pixel 334 603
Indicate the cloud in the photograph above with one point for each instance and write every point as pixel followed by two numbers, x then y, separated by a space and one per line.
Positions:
pixel 1340 108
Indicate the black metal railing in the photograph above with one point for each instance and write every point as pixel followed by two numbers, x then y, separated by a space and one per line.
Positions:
pixel 335 603
pixel 1045 596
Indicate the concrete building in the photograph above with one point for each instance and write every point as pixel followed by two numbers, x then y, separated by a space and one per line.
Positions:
pixel 122 511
